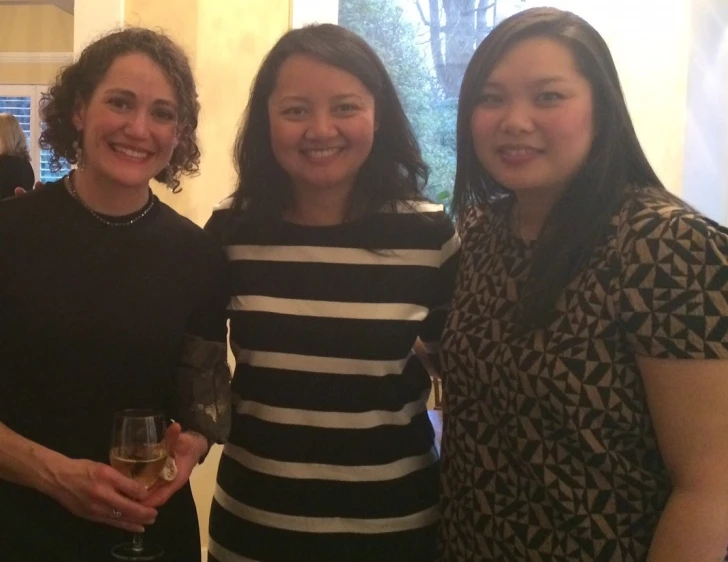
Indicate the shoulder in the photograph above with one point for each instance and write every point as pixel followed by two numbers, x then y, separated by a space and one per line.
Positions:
pixel 419 224
pixel 37 214
pixel 10 160
pixel 14 161
pixel 190 235
pixel 654 221
pixel 420 212
pixel 472 218
pixel 32 201
pixel 409 206
pixel 479 220
pixel 224 205
pixel 218 222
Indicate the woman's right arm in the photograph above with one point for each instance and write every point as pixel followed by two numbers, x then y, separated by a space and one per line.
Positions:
pixel 86 488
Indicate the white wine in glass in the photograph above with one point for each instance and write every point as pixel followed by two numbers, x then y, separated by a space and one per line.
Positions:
pixel 138 452
pixel 142 463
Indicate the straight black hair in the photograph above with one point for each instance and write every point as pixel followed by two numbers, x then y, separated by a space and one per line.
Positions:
pixel 394 170
pixel 577 222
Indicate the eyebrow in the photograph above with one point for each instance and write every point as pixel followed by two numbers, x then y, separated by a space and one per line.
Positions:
pixel 545 81
pixel 337 97
pixel 130 94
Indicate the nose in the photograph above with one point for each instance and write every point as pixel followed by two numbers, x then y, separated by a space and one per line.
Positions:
pixel 517 118
pixel 137 125
pixel 321 126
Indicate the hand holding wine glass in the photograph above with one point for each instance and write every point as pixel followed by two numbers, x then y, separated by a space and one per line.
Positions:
pixel 94 491
pixel 138 451
pixel 187 448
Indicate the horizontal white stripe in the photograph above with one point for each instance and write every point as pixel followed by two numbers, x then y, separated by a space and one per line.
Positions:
pixel 349 256
pixel 226 203
pixel 450 247
pixel 329 309
pixel 225 555
pixel 325 524
pixel 418 207
pixel 314 364
pixel 332 472
pixel 332 420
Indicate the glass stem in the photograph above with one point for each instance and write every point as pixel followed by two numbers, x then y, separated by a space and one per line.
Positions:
pixel 136 542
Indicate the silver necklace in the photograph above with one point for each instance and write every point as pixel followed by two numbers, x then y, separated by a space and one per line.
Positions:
pixel 68 182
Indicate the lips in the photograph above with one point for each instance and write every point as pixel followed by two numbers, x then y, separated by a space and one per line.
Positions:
pixel 131 153
pixel 516 155
pixel 316 153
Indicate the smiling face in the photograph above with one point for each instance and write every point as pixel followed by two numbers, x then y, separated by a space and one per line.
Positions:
pixel 533 125
pixel 129 125
pixel 322 122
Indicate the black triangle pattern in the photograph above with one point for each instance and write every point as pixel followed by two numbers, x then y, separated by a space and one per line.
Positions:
pixel 549 452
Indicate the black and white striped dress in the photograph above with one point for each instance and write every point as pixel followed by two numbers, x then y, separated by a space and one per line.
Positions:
pixel 331 454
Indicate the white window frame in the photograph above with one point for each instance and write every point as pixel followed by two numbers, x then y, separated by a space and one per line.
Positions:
pixel 34 92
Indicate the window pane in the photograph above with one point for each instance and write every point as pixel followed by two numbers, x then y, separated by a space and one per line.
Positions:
pixel 45 171
pixel 426 55
pixel 45 166
pixel 19 106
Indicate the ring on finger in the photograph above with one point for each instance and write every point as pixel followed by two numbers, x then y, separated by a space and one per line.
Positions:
pixel 115 513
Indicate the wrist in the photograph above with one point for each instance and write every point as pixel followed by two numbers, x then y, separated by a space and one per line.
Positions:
pixel 48 465
pixel 203 444
pixel 28 463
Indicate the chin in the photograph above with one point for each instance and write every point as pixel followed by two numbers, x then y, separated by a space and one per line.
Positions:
pixel 133 182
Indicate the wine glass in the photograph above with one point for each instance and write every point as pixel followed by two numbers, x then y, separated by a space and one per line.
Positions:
pixel 138 452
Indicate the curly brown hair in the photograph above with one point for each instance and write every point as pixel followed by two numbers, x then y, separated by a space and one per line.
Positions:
pixel 79 81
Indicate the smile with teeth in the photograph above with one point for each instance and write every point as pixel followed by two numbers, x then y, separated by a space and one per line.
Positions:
pixel 518 151
pixel 130 152
pixel 321 152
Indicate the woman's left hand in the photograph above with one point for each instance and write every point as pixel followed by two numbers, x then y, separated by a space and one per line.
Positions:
pixel 186 449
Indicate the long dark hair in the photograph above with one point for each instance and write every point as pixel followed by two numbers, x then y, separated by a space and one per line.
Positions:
pixel 393 171
pixel 577 222
pixel 79 80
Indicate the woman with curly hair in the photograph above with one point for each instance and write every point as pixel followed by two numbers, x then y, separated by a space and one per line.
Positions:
pixel 15 169
pixel 110 300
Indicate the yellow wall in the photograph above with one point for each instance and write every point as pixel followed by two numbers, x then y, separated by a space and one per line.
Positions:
pixel 178 19
pixel 35 29
pixel 652 59
pixel 226 40
pixel 32 29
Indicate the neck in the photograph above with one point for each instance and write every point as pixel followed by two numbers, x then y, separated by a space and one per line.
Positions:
pixel 109 199
pixel 530 212
pixel 319 207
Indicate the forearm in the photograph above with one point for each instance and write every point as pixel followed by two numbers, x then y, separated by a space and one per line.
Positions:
pixel 25 462
pixel 204 388
pixel 694 526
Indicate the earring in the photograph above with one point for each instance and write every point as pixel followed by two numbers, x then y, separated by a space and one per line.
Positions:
pixel 76 145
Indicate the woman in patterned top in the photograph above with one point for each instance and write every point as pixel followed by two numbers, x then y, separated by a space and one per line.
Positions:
pixel 338 266
pixel 585 357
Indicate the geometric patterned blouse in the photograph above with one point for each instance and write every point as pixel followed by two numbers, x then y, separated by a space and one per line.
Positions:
pixel 549 452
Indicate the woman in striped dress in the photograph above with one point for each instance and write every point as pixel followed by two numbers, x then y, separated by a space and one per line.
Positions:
pixel 339 265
